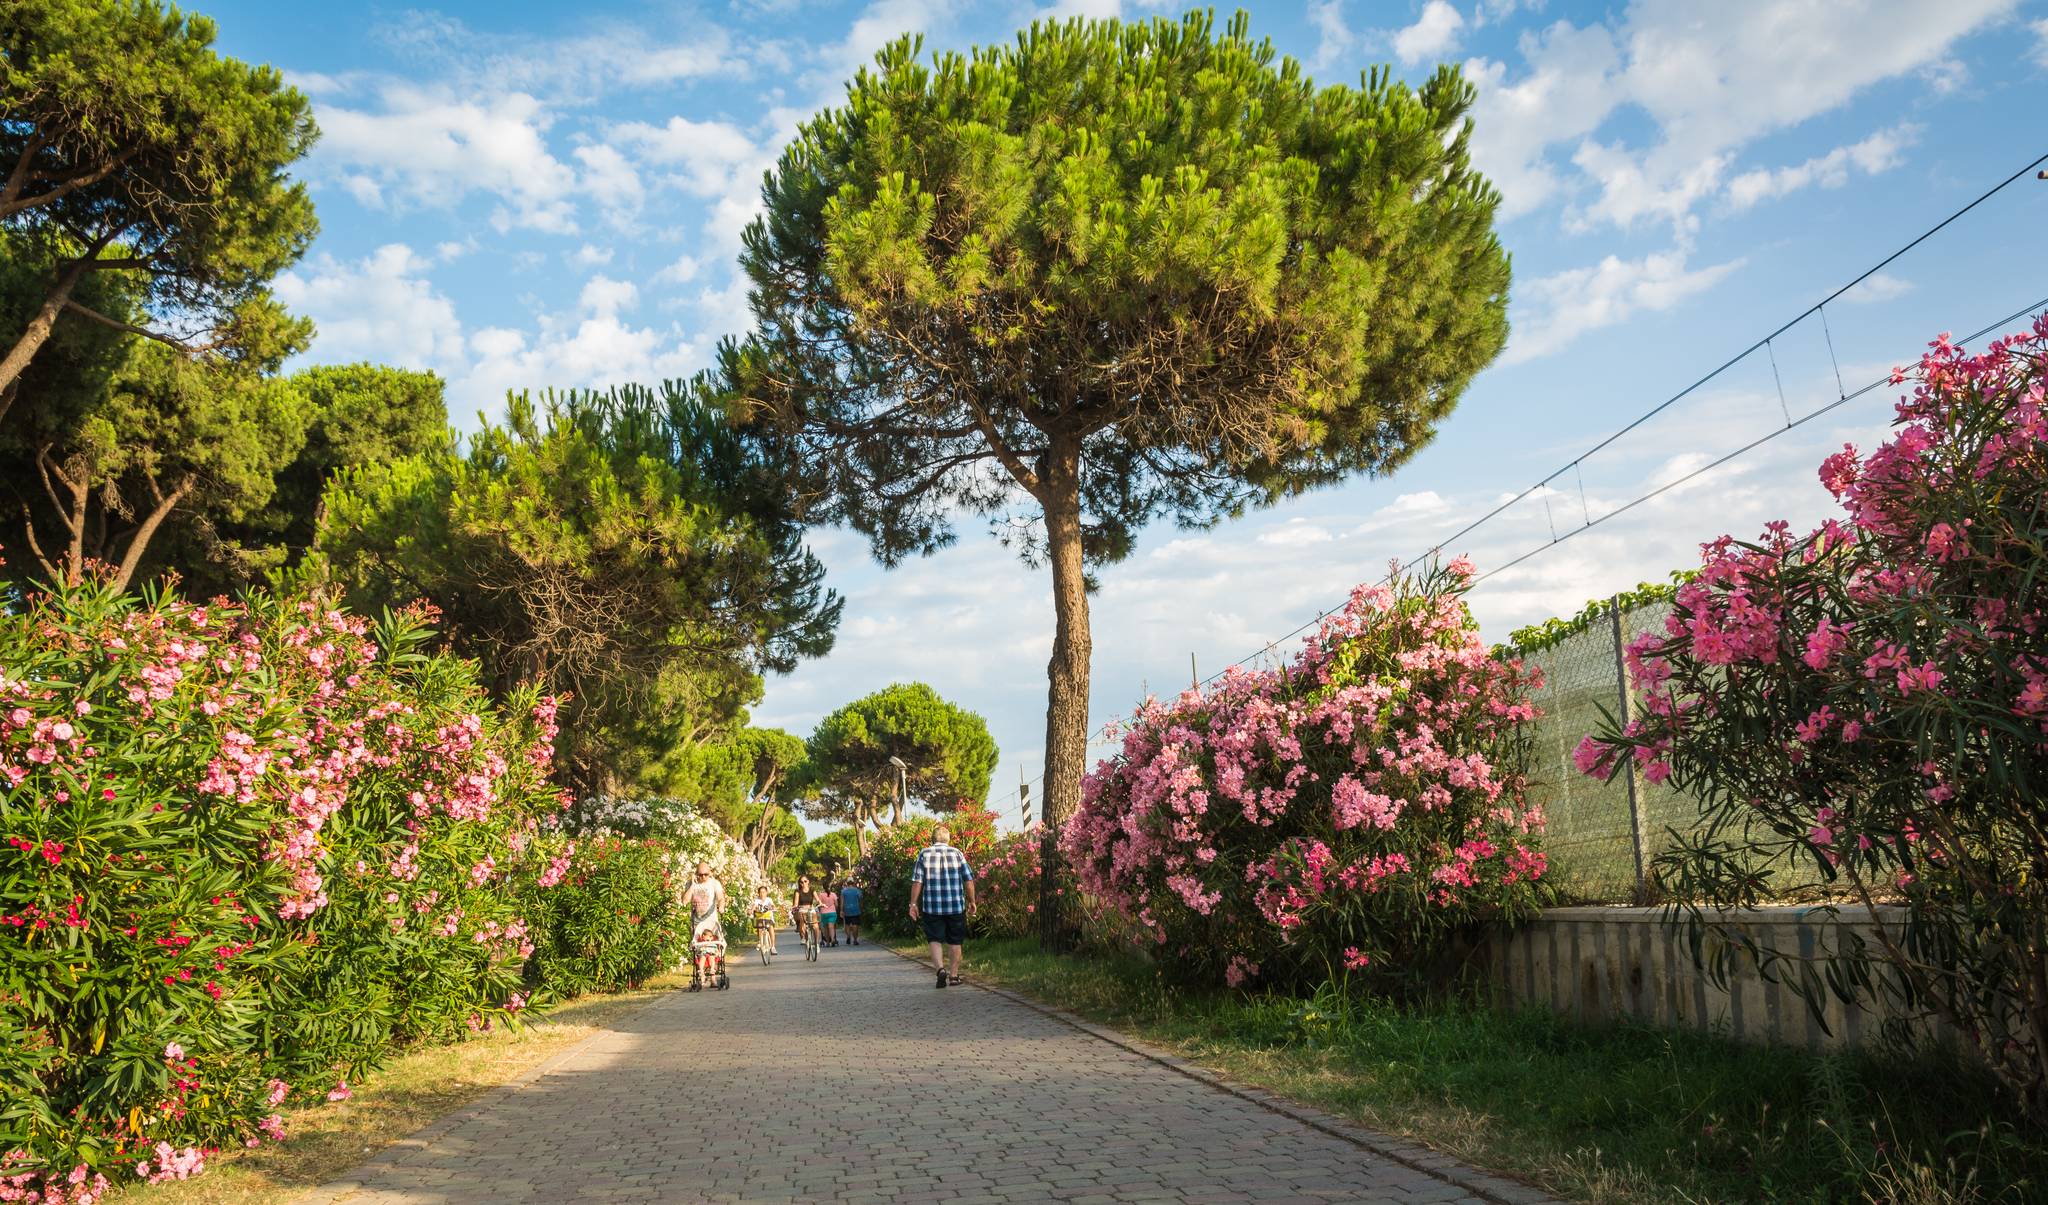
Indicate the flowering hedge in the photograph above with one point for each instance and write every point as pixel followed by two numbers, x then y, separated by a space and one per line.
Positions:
pixel 243 851
pixel 1008 885
pixel 686 835
pixel 1868 703
pixel 608 914
pixel 884 873
pixel 1352 811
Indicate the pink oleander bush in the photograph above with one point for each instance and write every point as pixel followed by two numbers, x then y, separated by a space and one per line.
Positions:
pixel 608 914
pixel 1350 815
pixel 1868 704
pixel 1008 885
pixel 245 850
pixel 884 871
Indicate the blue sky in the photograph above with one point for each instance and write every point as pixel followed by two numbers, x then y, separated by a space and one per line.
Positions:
pixel 521 195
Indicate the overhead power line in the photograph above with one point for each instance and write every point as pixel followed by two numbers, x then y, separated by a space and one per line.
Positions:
pixel 1575 465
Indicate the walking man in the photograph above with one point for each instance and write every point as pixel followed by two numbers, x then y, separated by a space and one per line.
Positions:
pixel 941 896
pixel 849 911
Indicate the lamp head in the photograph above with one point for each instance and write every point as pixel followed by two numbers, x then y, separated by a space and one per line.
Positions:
pixel 898 762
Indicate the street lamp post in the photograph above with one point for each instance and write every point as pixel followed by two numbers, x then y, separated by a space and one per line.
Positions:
pixel 902 785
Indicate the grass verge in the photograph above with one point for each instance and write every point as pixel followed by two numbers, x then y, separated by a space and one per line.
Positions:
pixel 1621 1114
pixel 326 1140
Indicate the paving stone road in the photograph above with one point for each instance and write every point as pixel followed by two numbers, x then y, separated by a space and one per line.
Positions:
pixel 852 1079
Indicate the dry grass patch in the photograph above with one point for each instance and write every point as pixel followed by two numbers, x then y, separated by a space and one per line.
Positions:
pixel 411 1091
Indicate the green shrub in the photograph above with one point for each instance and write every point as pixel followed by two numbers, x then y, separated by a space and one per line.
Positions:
pixel 244 850
pixel 884 873
pixel 1008 886
pixel 612 920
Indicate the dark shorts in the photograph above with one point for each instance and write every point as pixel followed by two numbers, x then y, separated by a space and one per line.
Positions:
pixel 948 929
pixel 849 918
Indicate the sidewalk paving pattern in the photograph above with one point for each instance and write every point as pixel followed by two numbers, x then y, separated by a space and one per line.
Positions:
pixel 852 1079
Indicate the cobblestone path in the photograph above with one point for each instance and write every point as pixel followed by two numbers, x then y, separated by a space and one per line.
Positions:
pixel 852 1079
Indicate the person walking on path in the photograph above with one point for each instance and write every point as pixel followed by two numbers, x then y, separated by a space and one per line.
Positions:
pixel 828 905
pixel 706 900
pixel 941 896
pixel 849 911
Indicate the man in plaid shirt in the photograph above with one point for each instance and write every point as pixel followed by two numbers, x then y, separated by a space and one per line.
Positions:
pixel 941 896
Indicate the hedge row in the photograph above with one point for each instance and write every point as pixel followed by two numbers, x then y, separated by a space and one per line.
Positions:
pixel 248 850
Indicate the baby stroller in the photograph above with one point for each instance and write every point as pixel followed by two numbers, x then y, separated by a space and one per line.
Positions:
pixel 709 948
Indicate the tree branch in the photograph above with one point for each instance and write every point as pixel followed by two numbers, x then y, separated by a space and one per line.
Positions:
pixel 143 534
pixel 18 178
pixel 16 204
pixel 145 332
pixel 28 526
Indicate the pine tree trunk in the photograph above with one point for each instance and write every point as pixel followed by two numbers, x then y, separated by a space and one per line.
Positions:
pixel 38 331
pixel 1066 706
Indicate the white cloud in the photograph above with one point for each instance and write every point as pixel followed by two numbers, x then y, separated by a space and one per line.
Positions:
pixel 590 255
pixel 705 154
pixel 1434 33
pixel 364 190
pixel 613 182
pixel 881 22
pixel 1879 287
pixel 381 307
pixel 1296 533
pixel 1060 10
pixel 611 55
pixel 592 347
pixel 1407 508
pixel 711 159
pixel 1630 192
pixel 2040 29
pixel 1570 85
pixel 1946 76
pixel 431 149
pixel 681 272
pixel 1553 311
pixel 1708 88
pixel 1335 37
pixel 1880 152
pixel 605 297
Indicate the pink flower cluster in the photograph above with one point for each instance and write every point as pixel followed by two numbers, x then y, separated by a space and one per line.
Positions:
pixel 1867 705
pixel 1369 787
pixel 191 791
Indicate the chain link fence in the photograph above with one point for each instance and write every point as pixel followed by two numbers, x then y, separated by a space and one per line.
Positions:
pixel 1601 836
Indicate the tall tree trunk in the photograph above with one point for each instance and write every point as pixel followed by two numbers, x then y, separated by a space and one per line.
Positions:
pixel 38 332
pixel 1066 705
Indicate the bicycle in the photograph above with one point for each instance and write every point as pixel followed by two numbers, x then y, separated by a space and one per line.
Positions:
pixel 807 925
pixel 764 941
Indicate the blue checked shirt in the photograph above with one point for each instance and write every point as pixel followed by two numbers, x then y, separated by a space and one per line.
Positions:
pixel 945 874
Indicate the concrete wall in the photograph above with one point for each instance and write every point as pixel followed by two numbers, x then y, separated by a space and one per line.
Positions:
pixel 1605 964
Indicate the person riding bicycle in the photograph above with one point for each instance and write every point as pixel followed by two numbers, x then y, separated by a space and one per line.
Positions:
pixel 804 905
pixel 763 911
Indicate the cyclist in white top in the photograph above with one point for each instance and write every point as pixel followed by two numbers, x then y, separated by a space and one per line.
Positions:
pixel 763 910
